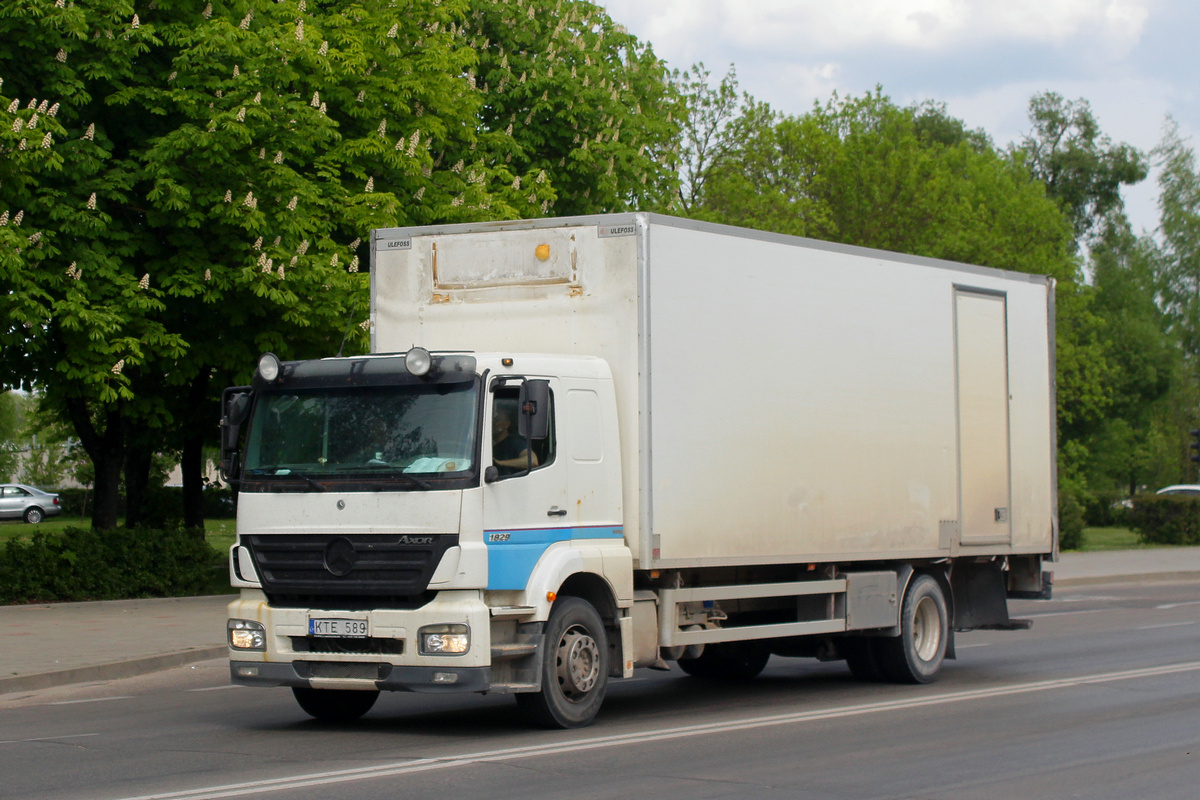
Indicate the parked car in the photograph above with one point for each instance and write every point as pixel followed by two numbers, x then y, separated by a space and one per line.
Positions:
pixel 28 503
pixel 1185 489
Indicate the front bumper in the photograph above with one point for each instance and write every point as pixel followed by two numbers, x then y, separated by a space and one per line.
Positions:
pixel 389 660
pixel 384 677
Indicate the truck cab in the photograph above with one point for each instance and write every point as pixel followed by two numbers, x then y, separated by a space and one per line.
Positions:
pixel 406 521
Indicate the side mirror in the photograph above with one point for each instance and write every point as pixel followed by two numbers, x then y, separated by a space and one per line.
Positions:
pixel 236 405
pixel 533 406
pixel 231 465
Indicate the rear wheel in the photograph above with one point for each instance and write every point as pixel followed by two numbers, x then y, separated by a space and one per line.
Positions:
pixel 728 661
pixel 574 668
pixel 916 655
pixel 34 515
pixel 335 705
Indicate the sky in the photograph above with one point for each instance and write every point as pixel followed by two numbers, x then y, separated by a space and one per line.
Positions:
pixel 1134 61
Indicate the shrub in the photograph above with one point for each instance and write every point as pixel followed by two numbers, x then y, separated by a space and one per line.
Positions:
pixel 1070 522
pixel 1167 519
pixel 88 564
pixel 164 504
pixel 1108 509
pixel 73 501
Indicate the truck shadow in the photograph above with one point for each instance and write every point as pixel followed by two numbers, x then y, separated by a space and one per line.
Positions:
pixel 788 685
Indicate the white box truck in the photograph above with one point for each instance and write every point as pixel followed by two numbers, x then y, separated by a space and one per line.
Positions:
pixel 586 445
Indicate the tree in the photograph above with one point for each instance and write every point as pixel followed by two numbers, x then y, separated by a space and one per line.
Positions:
pixel 571 97
pixel 12 424
pixel 1081 167
pixel 864 171
pixel 1179 214
pixel 706 135
pixel 773 178
pixel 1136 442
pixel 213 169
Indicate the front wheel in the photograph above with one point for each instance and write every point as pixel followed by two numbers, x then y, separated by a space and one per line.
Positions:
pixel 916 655
pixel 574 667
pixel 335 705
pixel 34 515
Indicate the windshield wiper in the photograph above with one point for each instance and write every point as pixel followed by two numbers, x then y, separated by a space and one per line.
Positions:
pixel 394 473
pixel 273 469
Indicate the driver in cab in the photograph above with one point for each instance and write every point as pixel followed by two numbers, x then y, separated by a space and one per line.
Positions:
pixel 510 452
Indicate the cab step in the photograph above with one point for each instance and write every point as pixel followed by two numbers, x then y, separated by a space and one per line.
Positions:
pixel 513 649
pixel 510 612
pixel 513 688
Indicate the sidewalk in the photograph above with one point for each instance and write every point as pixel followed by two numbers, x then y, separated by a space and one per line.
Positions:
pixel 53 644
pixel 61 643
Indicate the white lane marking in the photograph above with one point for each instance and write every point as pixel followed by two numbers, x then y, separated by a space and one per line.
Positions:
pixel 966 646
pixel 92 700
pixel 1166 606
pixel 662 734
pixel 1166 625
pixel 1064 613
pixel 48 738
pixel 217 688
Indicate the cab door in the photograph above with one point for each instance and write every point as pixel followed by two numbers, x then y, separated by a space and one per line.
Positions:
pixel 524 506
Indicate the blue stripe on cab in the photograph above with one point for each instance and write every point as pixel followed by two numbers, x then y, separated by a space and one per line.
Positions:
pixel 512 554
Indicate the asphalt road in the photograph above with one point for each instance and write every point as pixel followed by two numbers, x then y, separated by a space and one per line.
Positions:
pixel 1101 699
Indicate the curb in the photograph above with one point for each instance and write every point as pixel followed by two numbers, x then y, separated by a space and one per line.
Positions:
pixel 1141 577
pixel 113 671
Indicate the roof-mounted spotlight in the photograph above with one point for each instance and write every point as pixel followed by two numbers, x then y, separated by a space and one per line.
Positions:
pixel 269 367
pixel 418 362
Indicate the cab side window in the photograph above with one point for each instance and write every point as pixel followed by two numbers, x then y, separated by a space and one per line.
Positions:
pixel 510 451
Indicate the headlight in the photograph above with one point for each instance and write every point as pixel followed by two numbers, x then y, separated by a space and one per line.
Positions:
pixel 268 367
pixel 418 361
pixel 245 634
pixel 444 640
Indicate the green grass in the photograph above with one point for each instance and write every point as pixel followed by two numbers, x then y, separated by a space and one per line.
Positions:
pixel 1115 539
pixel 219 533
pixel 1110 539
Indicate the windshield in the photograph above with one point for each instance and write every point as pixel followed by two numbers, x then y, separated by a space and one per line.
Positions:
pixel 409 434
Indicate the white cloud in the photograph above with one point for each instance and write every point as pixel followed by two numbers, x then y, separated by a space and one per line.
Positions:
pixel 1133 60
pixel 823 26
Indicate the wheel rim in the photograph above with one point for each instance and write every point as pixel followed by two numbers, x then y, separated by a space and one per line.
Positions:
pixel 578 663
pixel 926 629
pixel 35 517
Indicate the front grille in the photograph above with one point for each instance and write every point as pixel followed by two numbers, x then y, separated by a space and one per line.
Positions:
pixel 350 602
pixel 342 670
pixel 375 564
pixel 321 644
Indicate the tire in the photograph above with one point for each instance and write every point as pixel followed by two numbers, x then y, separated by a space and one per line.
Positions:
pixel 335 705
pixel 916 655
pixel 728 661
pixel 862 657
pixel 34 515
pixel 574 668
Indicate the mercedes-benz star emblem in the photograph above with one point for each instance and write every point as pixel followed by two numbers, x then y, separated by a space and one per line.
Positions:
pixel 340 557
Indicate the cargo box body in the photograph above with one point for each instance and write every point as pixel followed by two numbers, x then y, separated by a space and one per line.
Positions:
pixel 780 400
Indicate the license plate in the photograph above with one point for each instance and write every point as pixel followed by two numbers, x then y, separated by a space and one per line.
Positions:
pixel 339 628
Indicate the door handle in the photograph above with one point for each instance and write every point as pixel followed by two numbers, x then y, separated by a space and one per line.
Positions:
pixel 555 511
